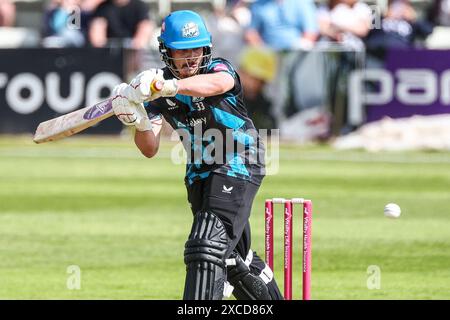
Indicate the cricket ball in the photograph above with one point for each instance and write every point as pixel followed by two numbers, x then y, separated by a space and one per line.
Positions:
pixel 392 210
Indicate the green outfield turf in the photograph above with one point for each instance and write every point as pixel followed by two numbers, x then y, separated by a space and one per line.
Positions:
pixel 123 220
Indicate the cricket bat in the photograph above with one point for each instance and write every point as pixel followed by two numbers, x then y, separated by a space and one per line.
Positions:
pixel 78 120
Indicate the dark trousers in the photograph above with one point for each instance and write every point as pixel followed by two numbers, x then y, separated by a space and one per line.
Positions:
pixel 230 199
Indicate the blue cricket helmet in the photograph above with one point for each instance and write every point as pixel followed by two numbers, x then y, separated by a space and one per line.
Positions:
pixel 183 30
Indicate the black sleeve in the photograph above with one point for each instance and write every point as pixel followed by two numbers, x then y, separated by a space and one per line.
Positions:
pixel 422 29
pixel 101 11
pixel 153 110
pixel 141 10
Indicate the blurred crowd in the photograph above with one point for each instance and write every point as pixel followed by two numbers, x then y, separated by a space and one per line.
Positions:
pixel 7 13
pixel 277 24
pixel 267 28
pixel 290 24
pixel 97 23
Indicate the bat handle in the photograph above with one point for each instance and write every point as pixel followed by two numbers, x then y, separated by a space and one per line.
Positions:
pixel 156 86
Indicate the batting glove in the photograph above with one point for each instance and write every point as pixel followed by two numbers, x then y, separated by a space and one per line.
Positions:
pixel 169 87
pixel 141 88
pixel 130 113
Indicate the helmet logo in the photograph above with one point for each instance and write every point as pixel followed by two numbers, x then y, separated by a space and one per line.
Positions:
pixel 190 30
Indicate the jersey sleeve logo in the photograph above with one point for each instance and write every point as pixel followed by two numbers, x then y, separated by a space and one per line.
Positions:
pixel 220 67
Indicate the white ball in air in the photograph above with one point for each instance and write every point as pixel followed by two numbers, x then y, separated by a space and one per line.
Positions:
pixel 392 210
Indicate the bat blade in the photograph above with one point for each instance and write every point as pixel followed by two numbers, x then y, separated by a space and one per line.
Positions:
pixel 73 122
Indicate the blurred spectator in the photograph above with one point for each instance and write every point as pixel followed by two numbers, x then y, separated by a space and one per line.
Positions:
pixel 65 22
pixel 345 21
pixel 225 26
pixel 439 16
pixel 440 13
pixel 7 13
pixel 400 28
pixel 283 24
pixel 258 67
pixel 123 20
pixel 240 12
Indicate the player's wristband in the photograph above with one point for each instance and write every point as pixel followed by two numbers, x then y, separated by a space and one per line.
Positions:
pixel 170 88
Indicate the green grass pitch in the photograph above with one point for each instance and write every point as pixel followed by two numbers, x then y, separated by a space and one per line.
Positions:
pixel 123 220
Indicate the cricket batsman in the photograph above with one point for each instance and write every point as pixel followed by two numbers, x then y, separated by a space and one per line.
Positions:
pixel 201 98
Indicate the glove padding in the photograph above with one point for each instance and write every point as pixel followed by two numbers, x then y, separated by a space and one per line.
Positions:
pixel 130 113
pixel 140 88
pixel 169 88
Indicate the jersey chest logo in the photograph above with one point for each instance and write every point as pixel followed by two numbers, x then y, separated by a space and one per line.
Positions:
pixel 172 105
pixel 197 99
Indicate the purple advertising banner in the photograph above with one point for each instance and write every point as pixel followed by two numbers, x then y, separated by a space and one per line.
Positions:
pixel 413 82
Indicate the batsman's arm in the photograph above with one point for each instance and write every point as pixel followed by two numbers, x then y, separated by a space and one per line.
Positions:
pixel 206 85
pixel 148 141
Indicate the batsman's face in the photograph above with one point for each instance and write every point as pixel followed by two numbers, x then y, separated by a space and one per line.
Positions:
pixel 187 61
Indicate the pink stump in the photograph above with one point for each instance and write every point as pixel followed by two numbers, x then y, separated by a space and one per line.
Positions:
pixel 307 249
pixel 269 233
pixel 288 250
